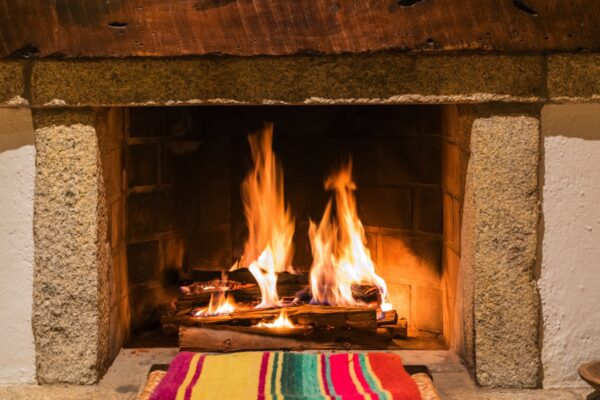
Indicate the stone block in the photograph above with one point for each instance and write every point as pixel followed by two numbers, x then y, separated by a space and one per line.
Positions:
pixel 429 311
pixel 214 203
pixel 71 291
pixel 142 164
pixel 409 161
pixel 503 224
pixel 388 207
pixel 574 77
pixel 12 85
pixel 182 161
pixel 208 251
pixel 428 210
pixel 144 213
pixel 351 78
pixel 143 262
pixel 399 296
pixel 178 208
pixel 410 259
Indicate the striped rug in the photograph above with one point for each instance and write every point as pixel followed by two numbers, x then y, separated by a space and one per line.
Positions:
pixel 284 375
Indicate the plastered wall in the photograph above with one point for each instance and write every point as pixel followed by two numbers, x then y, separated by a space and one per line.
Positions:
pixel 570 261
pixel 17 171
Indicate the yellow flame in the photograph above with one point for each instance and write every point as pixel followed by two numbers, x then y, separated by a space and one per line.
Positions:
pixel 282 321
pixel 340 257
pixel 269 249
pixel 218 305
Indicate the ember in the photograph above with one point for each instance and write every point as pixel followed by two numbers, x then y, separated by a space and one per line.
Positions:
pixel 282 321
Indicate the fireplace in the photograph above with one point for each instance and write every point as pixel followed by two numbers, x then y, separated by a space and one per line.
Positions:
pixel 145 195
pixel 183 218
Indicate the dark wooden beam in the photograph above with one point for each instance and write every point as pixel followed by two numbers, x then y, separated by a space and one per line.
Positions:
pixel 119 28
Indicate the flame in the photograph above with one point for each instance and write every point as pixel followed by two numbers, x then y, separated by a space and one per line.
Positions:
pixel 268 249
pixel 282 321
pixel 219 305
pixel 340 257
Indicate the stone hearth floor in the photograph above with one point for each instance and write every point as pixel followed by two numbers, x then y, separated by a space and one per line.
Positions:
pixel 128 373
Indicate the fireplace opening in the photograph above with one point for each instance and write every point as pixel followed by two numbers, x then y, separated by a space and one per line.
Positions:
pixel 181 226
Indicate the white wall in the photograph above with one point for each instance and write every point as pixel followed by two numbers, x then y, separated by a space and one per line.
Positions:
pixel 570 270
pixel 17 171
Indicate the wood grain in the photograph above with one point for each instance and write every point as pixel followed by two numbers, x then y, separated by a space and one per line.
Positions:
pixel 119 28
pixel 225 340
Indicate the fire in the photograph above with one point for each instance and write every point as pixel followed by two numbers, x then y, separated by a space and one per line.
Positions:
pixel 340 257
pixel 218 305
pixel 282 321
pixel 269 249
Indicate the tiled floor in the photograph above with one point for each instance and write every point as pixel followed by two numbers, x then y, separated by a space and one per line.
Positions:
pixel 128 373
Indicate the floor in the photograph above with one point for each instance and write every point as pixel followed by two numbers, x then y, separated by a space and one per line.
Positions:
pixel 127 375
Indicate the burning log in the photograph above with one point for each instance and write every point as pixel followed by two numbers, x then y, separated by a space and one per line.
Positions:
pixel 387 318
pixel 364 318
pixel 218 338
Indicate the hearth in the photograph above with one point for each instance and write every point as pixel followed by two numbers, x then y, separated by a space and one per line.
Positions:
pixel 326 219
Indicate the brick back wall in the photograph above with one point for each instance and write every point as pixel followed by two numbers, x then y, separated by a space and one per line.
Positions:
pixel 185 165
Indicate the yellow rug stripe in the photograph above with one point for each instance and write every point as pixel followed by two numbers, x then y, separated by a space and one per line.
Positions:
pixel 188 377
pixel 219 381
pixel 277 394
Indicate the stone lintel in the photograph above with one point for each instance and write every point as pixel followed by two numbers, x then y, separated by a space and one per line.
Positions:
pixel 386 77
pixel 574 78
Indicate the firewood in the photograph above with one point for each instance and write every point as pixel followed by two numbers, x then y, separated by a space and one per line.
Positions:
pixel 387 317
pixel 399 330
pixel 221 340
pixel 364 318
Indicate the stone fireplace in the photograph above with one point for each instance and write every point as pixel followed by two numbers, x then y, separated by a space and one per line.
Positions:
pixel 138 165
pixel 144 196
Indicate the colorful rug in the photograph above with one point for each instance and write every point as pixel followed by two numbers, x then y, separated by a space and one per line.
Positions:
pixel 282 375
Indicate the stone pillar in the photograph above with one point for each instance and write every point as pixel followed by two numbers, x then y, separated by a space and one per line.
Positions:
pixel 499 242
pixel 72 255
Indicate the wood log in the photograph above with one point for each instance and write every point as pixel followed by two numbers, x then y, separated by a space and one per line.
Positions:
pixel 387 317
pixel 221 340
pixel 250 292
pixel 399 330
pixel 319 316
pixel 247 293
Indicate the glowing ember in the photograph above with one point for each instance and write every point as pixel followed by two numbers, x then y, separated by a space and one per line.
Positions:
pixel 340 257
pixel 268 250
pixel 218 305
pixel 282 321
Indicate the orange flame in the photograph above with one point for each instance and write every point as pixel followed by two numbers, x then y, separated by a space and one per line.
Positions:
pixel 269 249
pixel 340 257
pixel 282 321
pixel 220 305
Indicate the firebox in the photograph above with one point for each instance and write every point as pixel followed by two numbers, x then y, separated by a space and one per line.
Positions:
pixel 184 215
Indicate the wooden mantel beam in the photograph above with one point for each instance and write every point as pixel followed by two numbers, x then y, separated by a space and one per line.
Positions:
pixel 120 28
